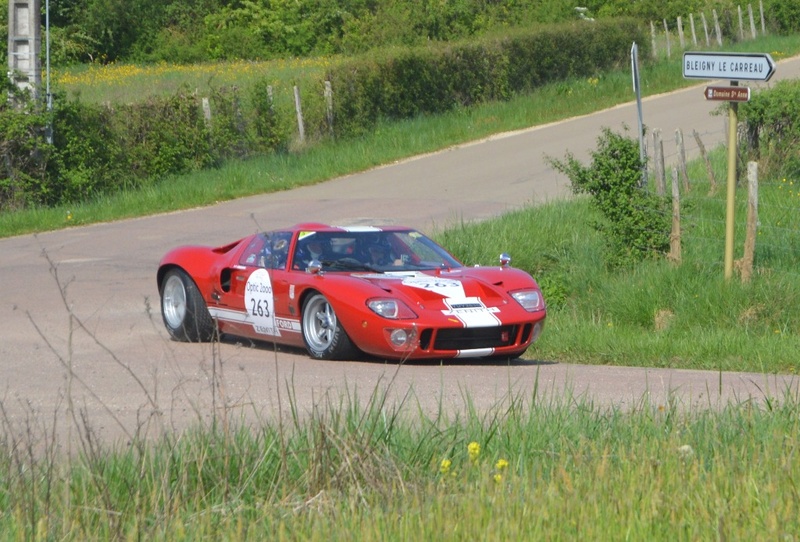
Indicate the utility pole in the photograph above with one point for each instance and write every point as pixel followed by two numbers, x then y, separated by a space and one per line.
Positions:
pixel 25 44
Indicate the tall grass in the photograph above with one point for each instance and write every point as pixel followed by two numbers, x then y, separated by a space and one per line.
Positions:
pixel 532 468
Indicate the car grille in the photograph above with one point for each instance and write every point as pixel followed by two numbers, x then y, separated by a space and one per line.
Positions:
pixel 470 338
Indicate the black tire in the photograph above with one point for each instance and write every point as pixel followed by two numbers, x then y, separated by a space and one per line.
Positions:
pixel 183 309
pixel 323 334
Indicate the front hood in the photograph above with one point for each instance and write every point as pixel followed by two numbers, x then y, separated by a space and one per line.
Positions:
pixel 437 290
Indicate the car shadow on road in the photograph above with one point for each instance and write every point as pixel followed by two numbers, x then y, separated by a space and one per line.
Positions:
pixel 471 362
pixel 498 361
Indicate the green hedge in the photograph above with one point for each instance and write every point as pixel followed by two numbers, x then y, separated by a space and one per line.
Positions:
pixel 99 149
pixel 438 79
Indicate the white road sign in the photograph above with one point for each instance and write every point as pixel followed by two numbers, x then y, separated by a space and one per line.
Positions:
pixel 732 66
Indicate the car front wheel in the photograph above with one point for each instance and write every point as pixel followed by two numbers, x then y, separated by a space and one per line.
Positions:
pixel 324 336
pixel 183 309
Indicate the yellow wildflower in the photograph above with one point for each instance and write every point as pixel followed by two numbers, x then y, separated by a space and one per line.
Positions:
pixel 474 450
pixel 444 467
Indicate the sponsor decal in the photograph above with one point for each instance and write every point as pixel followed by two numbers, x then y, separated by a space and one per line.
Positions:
pixel 442 286
pixel 260 303
pixel 471 312
pixel 285 324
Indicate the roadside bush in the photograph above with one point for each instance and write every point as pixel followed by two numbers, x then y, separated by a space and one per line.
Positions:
pixel 772 125
pixel 637 222
pixel 88 159
pixel 24 154
pixel 783 16
pixel 270 126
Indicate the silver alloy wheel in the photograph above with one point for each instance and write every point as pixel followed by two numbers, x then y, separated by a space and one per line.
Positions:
pixel 173 301
pixel 319 323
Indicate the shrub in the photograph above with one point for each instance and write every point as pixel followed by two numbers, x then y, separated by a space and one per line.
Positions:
pixel 772 124
pixel 636 224
pixel 24 154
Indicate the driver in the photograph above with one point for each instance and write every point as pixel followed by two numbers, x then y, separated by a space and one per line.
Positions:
pixel 378 255
pixel 309 250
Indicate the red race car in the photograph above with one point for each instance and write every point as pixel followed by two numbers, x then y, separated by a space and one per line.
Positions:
pixel 389 292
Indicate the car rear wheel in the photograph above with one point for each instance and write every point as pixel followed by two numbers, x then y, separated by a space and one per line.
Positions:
pixel 183 309
pixel 323 334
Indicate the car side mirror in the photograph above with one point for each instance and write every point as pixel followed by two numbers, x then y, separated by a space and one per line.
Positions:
pixel 314 267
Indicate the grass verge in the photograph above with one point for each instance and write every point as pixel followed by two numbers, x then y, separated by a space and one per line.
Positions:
pixel 533 468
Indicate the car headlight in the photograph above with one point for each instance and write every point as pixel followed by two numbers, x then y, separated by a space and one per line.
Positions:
pixel 531 300
pixel 390 308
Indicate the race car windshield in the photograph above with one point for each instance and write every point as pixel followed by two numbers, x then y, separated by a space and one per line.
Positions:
pixel 371 250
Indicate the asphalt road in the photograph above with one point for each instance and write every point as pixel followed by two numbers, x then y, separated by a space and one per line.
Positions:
pixel 82 336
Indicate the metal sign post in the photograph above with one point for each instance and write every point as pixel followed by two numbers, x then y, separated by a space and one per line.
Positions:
pixel 733 123
pixel 637 90
pixel 734 67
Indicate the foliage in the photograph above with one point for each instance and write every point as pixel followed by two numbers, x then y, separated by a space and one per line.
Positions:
pixel 188 31
pixel 385 471
pixel 100 149
pixel 422 80
pixel 204 30
pixel 772 124
pixel 783 15
pixel 24 151
pixel 635 222
pixel 87 161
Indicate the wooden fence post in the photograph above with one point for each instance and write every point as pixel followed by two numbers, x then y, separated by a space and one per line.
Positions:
pixel 682 159
pixel 329 105
pixel 712 180
pixel 752 21
pixel 752 222
pixel 763 24
pixel 666 34
pixel 705 29
pixel 717 28
pixel 658 158
pixel 206 111
pixel 741 23
pixel 653 39
pixel 299 109
pixel 675 235
pixel 680 34
pixel 694 34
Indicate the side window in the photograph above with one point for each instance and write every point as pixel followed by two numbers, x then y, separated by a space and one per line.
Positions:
pixel 276 250
pixel 267 250
pixel 252 254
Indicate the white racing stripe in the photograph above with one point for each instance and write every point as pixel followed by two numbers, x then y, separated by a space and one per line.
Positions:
pixel 229 315
pixel 475 353
pixel 240 317
pixel 358 229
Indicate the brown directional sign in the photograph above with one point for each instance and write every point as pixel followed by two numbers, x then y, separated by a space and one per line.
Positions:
pixel 728 94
